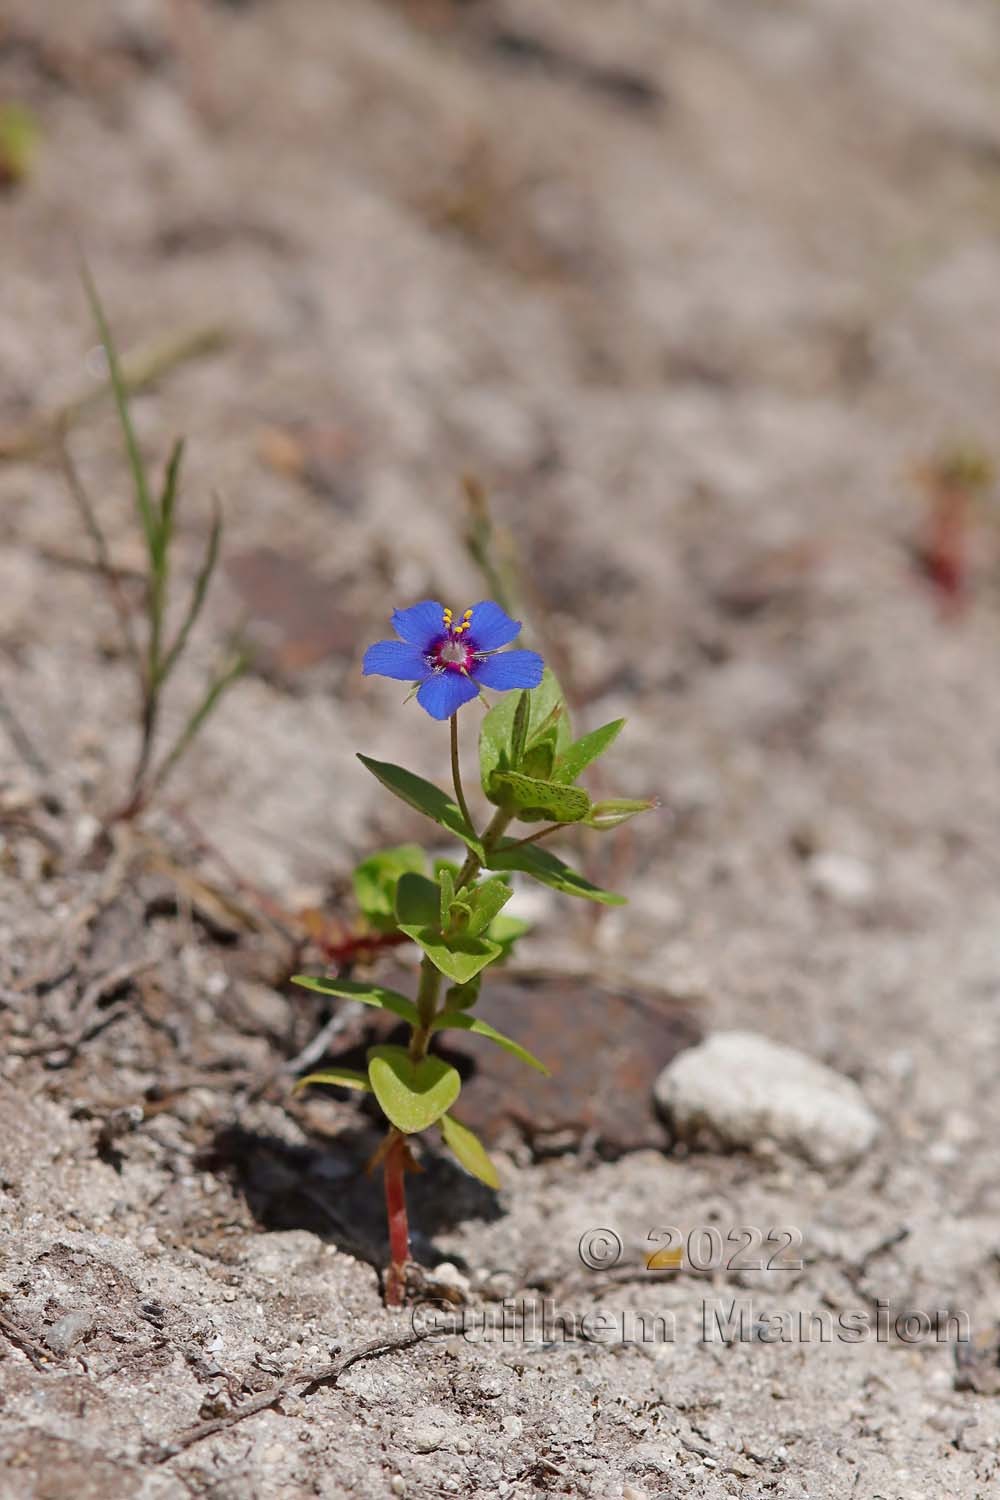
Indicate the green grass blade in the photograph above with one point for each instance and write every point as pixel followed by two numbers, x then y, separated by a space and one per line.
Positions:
pixel 168 498
pixel 196 722
pixel 197 596
pixel 144 504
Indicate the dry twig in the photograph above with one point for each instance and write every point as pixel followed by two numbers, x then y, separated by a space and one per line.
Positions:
pixel 308 1380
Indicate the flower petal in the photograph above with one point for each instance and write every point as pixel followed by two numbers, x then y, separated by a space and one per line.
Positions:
pixel 444 693
pixel 511 669
pixel 394 659
pixel 421 624
pixel 490 628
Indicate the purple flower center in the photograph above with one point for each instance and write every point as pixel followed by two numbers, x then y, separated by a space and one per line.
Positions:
pixel 454 652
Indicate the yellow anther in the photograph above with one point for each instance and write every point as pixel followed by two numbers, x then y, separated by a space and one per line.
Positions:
pixel 467 615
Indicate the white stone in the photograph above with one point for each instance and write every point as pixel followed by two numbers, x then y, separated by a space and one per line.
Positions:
pixel 742 1088
pixel 842 878
pixel 425 1439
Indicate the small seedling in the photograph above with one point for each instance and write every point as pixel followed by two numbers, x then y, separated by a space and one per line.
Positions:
pixel 154 652
pixel 529 766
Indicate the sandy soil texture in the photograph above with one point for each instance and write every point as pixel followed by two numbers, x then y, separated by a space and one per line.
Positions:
pixel 696 289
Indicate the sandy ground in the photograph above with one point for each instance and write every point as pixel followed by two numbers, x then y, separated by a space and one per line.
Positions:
pixel 694 288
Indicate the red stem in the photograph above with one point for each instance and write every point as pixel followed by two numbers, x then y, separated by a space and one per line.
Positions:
pixel 346 950
pixel 393 1167
pixel 946 561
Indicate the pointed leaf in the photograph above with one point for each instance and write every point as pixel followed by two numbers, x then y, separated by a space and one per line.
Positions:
pixel 544 867
pixel 368 994
pixel 546 710
pixel 342 1078
pixel 168 494
pixel 217 689
pixel 580 754
pixel 446 880
pixel 539 758
pixel 460 959
pixel 457 1020
pixel 418 913
pixel 424 796
pixel 531 799
pixel 412 1094
pixel 198 594
pixel 485 901
pixel 469 1150
pixel 519 727
pixel 617 810
pixel 140 485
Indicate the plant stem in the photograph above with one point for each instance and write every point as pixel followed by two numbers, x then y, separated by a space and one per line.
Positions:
pixel 533 838
pixel 394 1161
pixel 427 998
pixel 393 1167
pixel 456 774
pixel 491 837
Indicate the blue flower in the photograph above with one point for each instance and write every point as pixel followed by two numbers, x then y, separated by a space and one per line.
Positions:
pixel 452 662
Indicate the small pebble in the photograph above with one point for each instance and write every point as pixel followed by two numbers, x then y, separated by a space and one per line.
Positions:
pixel 741 1089
pixel 63 1334
pixel 426 1439
pixel 841 878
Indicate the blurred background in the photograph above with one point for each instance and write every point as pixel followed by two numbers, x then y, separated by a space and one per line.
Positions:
pixel 705 295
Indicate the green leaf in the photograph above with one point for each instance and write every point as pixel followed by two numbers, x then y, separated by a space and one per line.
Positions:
pixel 342 1078
pixel 418 913
pixel 463 996
pixel 456 911
pixel 368 994
pixel 544 867
pixel 485 901
pixel 519 728
pixel 460 958
pixel 616 810
pixel 217 689
pixel 376 879
pixel 580 754
pixel 451 1020
pixel 168 494
pixel 199 590
pixel 418 901
pixel 412 1094
pixel 143 502
pixel 469 1150
pixel 539 758
pixel 506 931
pixel 446 880
pixel 531 800
pixel 546 712
pixel 425 797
